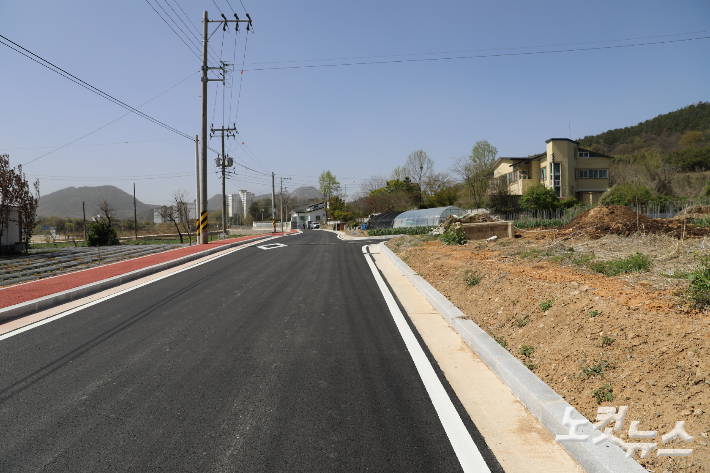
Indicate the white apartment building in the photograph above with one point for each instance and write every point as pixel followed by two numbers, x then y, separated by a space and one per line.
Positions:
pixel 238 204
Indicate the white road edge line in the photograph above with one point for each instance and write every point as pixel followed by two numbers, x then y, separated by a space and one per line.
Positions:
pixel 465 448
pixel 111 296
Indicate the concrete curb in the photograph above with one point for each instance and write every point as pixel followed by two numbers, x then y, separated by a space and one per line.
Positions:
pixel 345 237
pixel 543 402
pixel 53 300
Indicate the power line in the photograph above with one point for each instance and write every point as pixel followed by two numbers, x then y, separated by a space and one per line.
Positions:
pixel 94 144
pixel 88 86
pixel 193 25
pixel 176 33
pixel 111 122
pixel 478 50
pixel 399 61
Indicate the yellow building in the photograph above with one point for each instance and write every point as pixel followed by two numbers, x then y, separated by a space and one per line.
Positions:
pixel 570 170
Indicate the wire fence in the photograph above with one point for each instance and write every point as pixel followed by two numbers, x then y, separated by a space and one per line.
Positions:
pixel 666 209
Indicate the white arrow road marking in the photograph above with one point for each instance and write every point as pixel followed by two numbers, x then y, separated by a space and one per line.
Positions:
pixel 271 246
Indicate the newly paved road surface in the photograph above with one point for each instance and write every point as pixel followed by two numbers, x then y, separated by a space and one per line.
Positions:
pixel 286 359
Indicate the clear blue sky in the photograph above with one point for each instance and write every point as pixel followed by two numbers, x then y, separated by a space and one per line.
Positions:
pixel 354 120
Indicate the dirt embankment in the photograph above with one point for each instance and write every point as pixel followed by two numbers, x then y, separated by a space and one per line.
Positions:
pixel 619 220
pixel 629 338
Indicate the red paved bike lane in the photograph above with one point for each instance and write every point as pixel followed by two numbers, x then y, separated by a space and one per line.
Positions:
pixel 44 287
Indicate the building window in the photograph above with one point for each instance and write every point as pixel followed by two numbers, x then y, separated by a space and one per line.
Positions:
pixel 543 174
pixel 524 174
pixel 317 218
pixel 556 180
pixel 583 154
pixel 593 173
pixel 515 177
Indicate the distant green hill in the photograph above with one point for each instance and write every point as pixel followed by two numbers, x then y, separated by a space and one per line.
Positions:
pixel 681 137
pixel 68 203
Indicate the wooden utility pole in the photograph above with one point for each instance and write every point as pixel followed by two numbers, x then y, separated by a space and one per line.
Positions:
pixel 135 215
pixel 83 208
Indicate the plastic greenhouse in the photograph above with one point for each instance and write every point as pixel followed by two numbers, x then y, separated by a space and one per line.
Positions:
pixel 419 218
pixel 383 220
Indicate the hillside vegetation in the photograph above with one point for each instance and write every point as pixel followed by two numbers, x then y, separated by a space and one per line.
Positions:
pixel 680 139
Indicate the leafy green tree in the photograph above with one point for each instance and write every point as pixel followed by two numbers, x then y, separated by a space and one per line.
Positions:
pixel 102 234
pixel 329 186
pixel 568 203
pixel 476 170
pixel 336 203
pixel 255 209
pixel 539 197
pixel 626 194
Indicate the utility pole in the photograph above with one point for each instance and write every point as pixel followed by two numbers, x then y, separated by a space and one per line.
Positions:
pixel 197 178
pixel 281 201
pixel 83 208
pixel 224 162
pixel 273 203
pixel 205 69
pixel 135 215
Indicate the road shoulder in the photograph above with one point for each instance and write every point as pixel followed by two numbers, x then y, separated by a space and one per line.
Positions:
pixel 518 440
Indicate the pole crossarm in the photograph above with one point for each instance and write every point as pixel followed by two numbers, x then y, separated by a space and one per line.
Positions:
pixel 224 22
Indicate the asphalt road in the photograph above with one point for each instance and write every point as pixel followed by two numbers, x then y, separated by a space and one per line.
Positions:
pixel 285 359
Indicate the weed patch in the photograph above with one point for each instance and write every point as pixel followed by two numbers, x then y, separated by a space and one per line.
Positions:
pixel 499 339
pixel 634 263
pixel 607 341
pixel 594 370
pixel 400 231
pixel 526 350
pixel 546 305
pixel 594 313
pixel 699 289
pixel 455 236
pixel 541 223
pixel 605 393
pixel 471 278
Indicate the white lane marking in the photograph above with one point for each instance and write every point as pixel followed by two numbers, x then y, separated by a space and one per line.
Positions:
pixel 271 246
pixel 465 448
pixel 111 296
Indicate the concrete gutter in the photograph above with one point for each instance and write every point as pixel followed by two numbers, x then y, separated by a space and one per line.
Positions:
pixel 543 402
pixel 53 300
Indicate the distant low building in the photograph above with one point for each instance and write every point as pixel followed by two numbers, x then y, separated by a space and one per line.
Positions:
pixel 12 236
pixel 567 168
pixel 311 213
